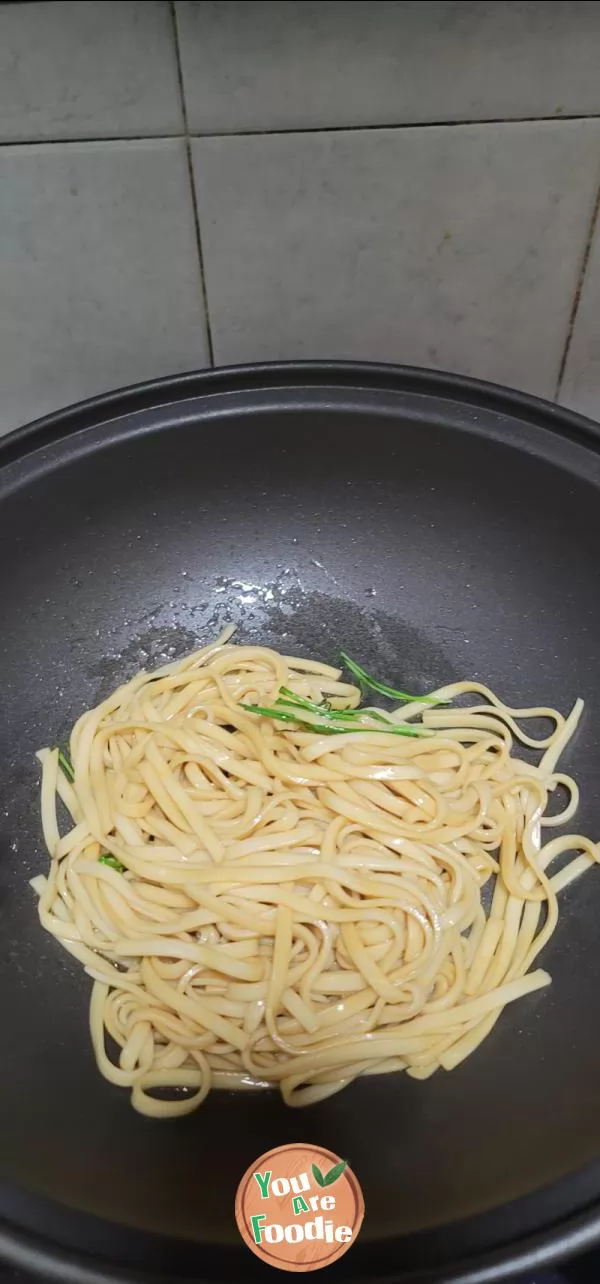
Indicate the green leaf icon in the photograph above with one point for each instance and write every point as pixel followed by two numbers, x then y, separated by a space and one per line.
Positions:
pixel 318 1176
pixel 335 1172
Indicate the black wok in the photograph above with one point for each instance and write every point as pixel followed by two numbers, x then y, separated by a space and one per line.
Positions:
pixel 432 526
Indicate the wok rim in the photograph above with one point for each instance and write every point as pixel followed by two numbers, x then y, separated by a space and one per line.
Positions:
pixel 580 1231
pixel 151 394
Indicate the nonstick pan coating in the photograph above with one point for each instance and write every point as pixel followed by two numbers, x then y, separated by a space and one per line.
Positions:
pixel 435 528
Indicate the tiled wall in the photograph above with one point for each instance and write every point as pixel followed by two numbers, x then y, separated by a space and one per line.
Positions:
pixel 244 181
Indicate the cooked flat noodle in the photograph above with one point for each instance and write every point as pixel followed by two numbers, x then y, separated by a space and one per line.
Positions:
pixel 286 906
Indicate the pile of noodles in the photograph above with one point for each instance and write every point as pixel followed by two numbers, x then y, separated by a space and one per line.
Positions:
pixel 259 902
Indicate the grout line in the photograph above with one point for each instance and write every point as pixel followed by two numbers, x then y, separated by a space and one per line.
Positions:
pixel 578 292
pixel 394 125
pixel 23 143
pixel 277 133
pixel 190 165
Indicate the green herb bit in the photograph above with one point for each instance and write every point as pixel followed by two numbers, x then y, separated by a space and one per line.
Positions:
pixel 113 862
pixel 382 688
pixel 64 762
pixel 371 713
pixel 403 729
pixel 283 703
pixel 284 715
pixel 281 714
pixel 290 697
pixel 336 725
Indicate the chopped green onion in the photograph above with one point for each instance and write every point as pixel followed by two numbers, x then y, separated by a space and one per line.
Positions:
pixel 284 715
pixel 289 700
pixel 336 715
pixel 375 714
pixel 290 697
pixel 305 706
pixel 381 687
pixel 113 862
pixel 64 762
pixel 281 714
pixel 336 722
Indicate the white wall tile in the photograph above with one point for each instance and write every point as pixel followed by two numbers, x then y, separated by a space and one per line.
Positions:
pixel 101 68
pixel 99 281
pixel 255 66
pixel 581 384
pixel 457 248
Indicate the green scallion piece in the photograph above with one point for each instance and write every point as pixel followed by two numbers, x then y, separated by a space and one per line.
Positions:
pixel 334 725
pixel 290 697
pixel 64 762
pixel 113 862
pixel 381 687
pixel 285 715
pixel 306 707
pixel 282 715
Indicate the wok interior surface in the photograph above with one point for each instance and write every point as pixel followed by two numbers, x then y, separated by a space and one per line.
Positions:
pixel 433 529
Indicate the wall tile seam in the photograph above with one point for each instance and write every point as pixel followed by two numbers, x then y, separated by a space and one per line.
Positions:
pixel 192 185
pixel 579 287
pixel 294 131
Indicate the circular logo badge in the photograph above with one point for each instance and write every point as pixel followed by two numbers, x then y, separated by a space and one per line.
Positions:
pixel 299 1207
